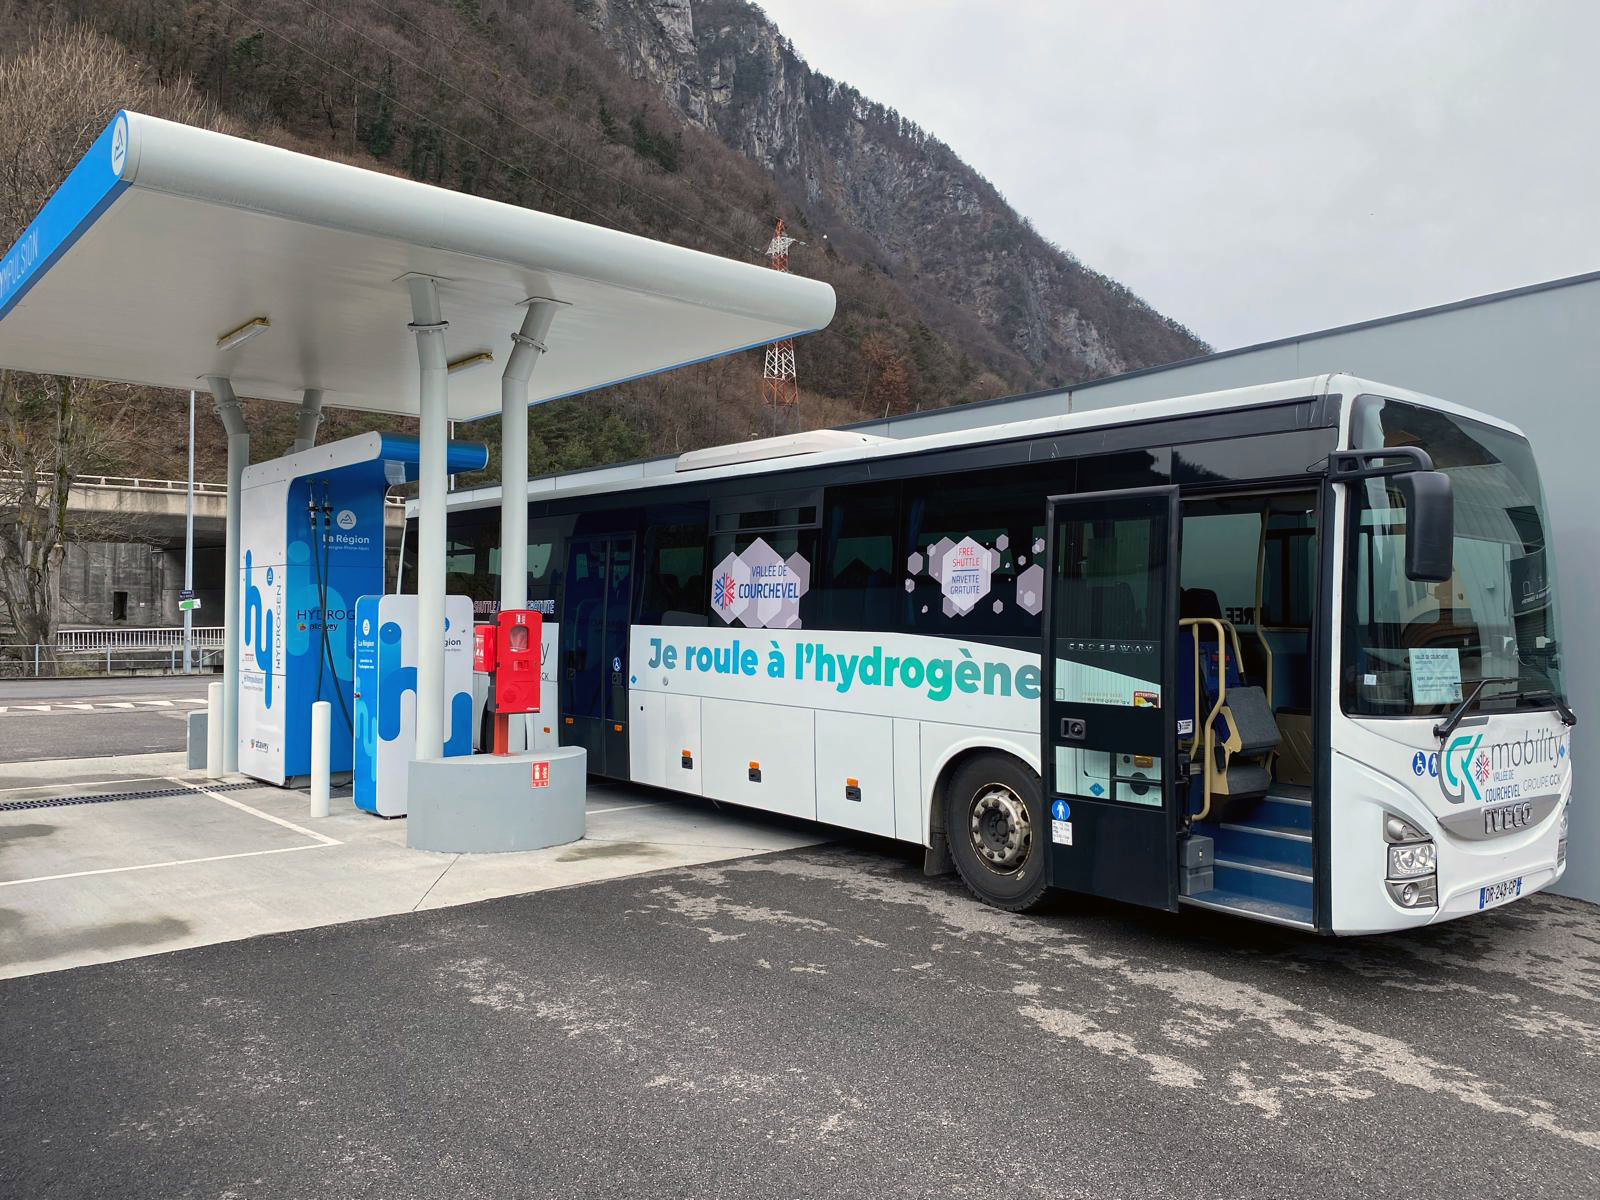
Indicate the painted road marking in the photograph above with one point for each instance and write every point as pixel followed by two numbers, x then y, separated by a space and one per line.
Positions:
pixel 256 812
pixel 321 842
pixel 83 706
pixel 177 862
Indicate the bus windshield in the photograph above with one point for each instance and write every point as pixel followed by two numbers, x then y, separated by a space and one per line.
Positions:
pixel 1413 648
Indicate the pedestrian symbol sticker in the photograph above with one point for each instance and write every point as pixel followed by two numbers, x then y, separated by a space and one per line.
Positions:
pixel 1060 811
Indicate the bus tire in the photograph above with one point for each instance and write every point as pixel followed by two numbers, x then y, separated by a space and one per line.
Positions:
pixel 994 820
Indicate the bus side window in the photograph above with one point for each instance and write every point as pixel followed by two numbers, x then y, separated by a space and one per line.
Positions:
pixel 673 590
pixel 858 564
pixel 974 554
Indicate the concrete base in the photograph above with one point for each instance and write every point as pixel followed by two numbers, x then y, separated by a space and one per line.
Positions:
pixel 485 804
pixel 197 740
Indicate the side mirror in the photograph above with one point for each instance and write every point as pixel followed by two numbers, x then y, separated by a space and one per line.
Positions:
pixel 1430 525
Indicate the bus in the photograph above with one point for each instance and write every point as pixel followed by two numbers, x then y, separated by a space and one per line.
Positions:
pixel 1289 652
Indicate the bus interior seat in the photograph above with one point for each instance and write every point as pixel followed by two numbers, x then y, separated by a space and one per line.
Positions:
pixel 1245 734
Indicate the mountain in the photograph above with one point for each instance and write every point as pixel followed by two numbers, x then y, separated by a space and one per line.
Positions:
pixel 888 192
pixel 692 121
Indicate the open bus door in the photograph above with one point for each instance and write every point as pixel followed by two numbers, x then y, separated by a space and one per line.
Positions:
pixel 1109 721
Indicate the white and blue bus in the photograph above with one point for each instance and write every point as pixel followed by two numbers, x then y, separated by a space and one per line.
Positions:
pixel 1289 652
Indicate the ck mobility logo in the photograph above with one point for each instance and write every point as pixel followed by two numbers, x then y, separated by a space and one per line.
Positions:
pixel 1508 770
pixel 1460 768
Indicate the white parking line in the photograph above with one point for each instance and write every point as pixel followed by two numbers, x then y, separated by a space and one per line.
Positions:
pixel 177 862
pixel 256 812
pixel 595 812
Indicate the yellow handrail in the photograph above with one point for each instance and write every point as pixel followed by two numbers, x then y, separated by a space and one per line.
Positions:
pixel 1223 629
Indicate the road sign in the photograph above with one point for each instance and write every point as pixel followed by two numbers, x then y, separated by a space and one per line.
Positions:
pixel 189 605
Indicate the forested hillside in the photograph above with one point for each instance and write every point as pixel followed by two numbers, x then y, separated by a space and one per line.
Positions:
pixel 691 122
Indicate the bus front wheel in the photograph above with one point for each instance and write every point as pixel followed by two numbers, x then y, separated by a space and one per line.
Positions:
pixel 994 822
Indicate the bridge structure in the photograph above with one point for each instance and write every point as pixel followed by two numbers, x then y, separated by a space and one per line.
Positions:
pixel 124 561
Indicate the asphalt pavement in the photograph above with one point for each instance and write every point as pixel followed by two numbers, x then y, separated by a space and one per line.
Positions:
pixel 820 1022
pixel 61 718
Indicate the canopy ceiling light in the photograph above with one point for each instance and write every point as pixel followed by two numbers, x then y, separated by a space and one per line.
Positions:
pixel 470 361
pixel 241 335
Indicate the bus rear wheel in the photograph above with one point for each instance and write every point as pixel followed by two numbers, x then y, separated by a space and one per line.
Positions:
pixel 994 822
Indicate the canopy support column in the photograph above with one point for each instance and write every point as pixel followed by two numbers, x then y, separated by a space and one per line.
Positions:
pixel 305 434
pixel 428 323
pixel 526 346
pixel 227 408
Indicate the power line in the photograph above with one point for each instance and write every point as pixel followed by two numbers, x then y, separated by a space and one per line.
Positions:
pixel 543 136
pixel 423 117
pixel 529 130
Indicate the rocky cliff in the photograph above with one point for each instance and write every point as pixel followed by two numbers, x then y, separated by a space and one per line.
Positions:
pixel 885 189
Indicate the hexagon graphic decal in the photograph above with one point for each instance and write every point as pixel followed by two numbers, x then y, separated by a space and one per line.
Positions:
pixel 965 570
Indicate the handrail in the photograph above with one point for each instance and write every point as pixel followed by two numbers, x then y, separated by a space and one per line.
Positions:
pixel 1222 696
pixel 1261 632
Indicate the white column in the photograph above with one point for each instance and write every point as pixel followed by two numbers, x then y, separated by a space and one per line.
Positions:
pixel 214 726
pixel 526 346
pixel 321 755
pixel 429 325
pixel 232 417
pixel 188 551
pixel 305 434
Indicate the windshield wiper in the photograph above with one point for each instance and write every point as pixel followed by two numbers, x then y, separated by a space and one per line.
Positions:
pixel 1448 726
pixel 1568 717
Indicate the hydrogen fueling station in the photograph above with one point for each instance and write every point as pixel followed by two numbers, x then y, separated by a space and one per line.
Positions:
pixel 180 258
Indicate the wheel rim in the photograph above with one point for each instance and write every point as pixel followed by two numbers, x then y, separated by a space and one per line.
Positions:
pixel 1000 828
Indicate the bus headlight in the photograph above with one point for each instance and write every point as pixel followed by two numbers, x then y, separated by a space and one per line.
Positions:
pixel 1561 837
pixel 1410 861
pixel 1413 874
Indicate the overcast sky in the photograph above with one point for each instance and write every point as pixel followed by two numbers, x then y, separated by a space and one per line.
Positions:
pixel 1258 169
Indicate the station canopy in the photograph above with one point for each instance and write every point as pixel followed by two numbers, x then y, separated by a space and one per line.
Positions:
pixel 165 239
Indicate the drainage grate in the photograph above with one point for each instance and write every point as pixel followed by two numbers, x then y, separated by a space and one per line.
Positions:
pixel 109 797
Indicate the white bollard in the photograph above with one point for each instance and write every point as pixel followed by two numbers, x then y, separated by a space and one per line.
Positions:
pixel 214 731
pixel 321 756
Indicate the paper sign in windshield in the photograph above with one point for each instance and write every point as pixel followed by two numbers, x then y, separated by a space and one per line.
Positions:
pixel 1436 675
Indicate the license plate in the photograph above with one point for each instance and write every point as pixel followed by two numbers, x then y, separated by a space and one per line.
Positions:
pixel 1499 893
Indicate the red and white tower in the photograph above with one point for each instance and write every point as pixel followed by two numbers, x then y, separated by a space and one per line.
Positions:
pixel 780 391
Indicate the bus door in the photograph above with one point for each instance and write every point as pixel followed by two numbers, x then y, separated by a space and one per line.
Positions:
pixel 594 650
pixel 1109 724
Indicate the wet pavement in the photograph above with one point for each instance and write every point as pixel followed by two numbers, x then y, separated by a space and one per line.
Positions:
pixel 819 1022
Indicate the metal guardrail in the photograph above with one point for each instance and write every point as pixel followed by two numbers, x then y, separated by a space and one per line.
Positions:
pixel 37 662
pixel 140 484
pixel 70 641
pixel 137 483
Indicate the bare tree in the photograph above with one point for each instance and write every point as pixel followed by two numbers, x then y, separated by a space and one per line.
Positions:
pixel 56 95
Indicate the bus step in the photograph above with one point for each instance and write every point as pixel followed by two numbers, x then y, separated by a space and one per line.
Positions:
pixel 1275 844
pixel 1289 812
pixel 1277 882
pixel 1220 900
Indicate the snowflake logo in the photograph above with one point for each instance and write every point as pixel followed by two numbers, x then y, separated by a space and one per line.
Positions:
pixel 725 591
pixel 1481 768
